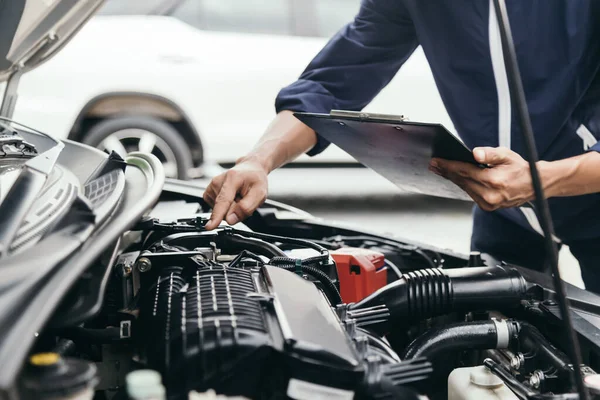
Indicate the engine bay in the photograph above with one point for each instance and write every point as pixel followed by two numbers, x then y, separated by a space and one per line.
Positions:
pixel 114 289
pixel 307 311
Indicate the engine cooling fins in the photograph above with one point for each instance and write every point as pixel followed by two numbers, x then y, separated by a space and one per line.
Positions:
pixel 398 380
pixel 370 316
pixel 202 322
pixel 408 371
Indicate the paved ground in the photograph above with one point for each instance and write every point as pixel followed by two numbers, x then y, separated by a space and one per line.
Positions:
pixel 362 198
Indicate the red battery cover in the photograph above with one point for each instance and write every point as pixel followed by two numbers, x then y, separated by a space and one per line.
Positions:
pixel 360 272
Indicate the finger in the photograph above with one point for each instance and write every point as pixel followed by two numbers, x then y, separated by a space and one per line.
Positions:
pixel 223 201
pixel 466 170
pixel 487 199
pixel 243 208
pixel 209 196
pixel 492 155
pixel 213 188
pixel 473 188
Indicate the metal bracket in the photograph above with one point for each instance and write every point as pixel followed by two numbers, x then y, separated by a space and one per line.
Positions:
pixel 9 100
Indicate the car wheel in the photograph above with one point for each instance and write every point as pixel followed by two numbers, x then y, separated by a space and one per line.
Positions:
pixel 146 134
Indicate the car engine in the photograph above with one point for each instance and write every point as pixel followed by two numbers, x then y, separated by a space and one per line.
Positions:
pixel 195 314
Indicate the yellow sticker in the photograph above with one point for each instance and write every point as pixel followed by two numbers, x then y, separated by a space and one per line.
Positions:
pixel 41 359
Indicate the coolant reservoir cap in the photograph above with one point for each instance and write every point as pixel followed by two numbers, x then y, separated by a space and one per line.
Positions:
pixel 593 383
pixel 48 375
pixel 482 376
pixel 145 383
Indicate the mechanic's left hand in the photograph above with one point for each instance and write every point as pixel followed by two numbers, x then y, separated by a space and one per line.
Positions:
pixel 507 183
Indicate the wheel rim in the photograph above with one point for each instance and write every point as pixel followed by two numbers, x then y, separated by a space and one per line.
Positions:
pixel 126 141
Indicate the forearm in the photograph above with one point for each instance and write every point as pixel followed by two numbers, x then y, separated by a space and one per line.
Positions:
pixel 572 176
pixel 285 139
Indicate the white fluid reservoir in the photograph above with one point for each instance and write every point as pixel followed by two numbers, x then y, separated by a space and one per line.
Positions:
pixel 477 383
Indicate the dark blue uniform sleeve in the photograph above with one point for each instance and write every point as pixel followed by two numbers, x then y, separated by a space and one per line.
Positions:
pixel 356 64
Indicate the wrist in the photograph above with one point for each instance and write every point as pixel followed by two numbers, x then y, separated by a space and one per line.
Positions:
pixel 556 175
pixel 257 159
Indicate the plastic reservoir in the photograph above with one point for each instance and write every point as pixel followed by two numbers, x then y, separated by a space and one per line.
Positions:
pixel 477 383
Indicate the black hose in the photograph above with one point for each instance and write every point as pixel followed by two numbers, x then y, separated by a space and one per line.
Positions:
pixel 97 336
pixel 427 259
pixel 240 243
pixel 332 292
pixel 283 239
pixel 245 254
pixel 288 260
pixel 481 335
pixel 531 339
pixel 432 292
pixel 394 268
pixel 389 243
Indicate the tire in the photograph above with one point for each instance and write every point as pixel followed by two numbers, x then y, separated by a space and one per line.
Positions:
pixel 132 133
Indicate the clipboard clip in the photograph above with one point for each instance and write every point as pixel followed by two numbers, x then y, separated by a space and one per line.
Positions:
pixel 363 116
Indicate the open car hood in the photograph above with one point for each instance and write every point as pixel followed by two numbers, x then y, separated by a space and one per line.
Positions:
pixel 31 31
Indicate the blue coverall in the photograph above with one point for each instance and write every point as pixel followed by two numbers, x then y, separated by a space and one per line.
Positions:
pixel 558 49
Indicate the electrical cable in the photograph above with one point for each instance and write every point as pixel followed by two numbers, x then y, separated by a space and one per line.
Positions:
pixel 518 94
pixel 394 268
pixel 398 246
pixel 246 254
pixel 287 260
pixel 284 239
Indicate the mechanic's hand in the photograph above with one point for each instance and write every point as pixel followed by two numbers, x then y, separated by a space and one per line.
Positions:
pixel 507 183
pixel 235 194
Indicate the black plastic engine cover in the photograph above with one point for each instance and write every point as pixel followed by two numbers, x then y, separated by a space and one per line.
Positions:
pixel 262 333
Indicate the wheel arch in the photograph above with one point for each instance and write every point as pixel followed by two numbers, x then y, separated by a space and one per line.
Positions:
pixel 112 104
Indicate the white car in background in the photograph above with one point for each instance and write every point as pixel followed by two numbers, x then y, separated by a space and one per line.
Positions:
pixel 193 81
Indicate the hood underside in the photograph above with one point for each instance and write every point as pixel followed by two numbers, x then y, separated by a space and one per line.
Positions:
pixel 31 31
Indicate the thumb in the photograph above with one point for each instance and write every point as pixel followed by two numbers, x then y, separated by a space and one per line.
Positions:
pixel 491 155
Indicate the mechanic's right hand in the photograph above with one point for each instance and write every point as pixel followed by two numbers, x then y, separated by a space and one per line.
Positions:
pixel 235 194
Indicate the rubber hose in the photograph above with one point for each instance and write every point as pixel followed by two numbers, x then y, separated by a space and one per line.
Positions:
pixel 288 260
pixel 332 292
pixel 241 243
pixel 283 239
pixel 479 335
pixel 245 254
pixel 432 292
pixel 97 336
pixel 533 340
pixel 389 243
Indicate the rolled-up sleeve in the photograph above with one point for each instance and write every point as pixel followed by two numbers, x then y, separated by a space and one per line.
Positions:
pixel 355 65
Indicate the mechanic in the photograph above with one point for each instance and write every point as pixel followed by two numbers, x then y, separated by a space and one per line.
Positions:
pixel 559 58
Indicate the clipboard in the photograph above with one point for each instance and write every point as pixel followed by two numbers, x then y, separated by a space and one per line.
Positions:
pixel 397 149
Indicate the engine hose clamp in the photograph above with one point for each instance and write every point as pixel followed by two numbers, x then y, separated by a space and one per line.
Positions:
pixel 503 334
pixel 299 267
